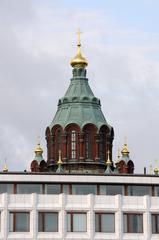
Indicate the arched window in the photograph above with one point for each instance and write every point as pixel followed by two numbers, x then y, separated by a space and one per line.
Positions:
pixel 88 145
pixel 58 143
pixel 89 131
pixel 73 144
pixel 102 146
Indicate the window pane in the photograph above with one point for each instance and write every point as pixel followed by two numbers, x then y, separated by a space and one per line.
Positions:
pixel 53 188
pixel 19 222
pixel 79 222
pixel 157 191
pixel 155 223
pixel 11 222
pixel 97 222
pixel 134 223
pixel 111 189
pixel 139 190
pixel 29 188
pixel 66 189
pixel 105 222
pixel 76 222
pixel 51 222
pixel 84 189
pixel 48 222
pixel 6 188
pixel 68 222
pixel 103 190
pixel 125 223
pixel 40 222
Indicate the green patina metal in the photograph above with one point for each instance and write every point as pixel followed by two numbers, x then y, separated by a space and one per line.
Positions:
pixel 38 158
pixel 79 105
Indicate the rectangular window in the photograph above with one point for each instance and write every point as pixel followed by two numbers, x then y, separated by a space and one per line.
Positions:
pixel 66 188
pixel 84 189
pixel 48 222
pixel 76 222
pixel 73 144
pixel 19 222
pixel 52 188
pixel 105 222
pixel 156 190
pixel 133 223
pixel 6 188
pixel 111 189
pixel 155 223
pixel 29 188
pixel 139 190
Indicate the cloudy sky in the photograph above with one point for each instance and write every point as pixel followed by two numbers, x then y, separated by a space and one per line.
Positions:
pixel 121 42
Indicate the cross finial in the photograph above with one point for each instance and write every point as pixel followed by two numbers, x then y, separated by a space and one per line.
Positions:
pixel 118 153
pixel 38 140
pixel 79 37
pixel 126 140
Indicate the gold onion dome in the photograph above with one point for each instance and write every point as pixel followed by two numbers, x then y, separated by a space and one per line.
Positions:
pixel 156 170
pixel 38 150
pixel 125 150
pixel 5 168
pixel 79 60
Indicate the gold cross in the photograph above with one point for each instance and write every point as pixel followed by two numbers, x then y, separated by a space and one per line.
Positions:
pixel 126 140
pixel 79 37
pixel 38 140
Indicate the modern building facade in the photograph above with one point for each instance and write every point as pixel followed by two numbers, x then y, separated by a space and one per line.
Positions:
pixel 79 192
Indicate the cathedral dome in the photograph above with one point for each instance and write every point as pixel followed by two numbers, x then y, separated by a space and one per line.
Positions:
pixel 79 129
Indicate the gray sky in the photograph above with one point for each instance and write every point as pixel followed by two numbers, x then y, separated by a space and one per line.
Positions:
pixel 121 43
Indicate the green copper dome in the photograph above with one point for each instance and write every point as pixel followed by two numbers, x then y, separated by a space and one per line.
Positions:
pixel 79 105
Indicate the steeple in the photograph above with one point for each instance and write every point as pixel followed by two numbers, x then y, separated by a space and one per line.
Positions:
pixel 79 128
pixel 79 61
pixel 79 105
pixel 108 165
pixel 59 164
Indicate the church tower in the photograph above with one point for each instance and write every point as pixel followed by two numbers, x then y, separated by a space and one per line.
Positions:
pixel 79 130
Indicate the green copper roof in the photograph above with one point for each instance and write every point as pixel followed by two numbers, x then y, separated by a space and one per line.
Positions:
pixel 79 105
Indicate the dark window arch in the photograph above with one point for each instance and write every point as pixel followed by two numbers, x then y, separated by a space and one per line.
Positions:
pixel 88 144
pixel 102 146
pixel 89 131
pixel 73 144
pixel 58 143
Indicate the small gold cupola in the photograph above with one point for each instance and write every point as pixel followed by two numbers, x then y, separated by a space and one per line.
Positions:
pixel 38 153
pixel 79 60
pixel 38 150
pixel 5 167
pixel 125 151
